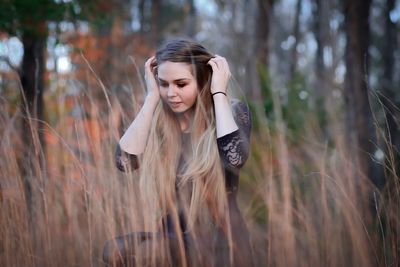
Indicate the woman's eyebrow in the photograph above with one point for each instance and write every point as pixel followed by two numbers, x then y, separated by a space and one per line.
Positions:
pixel 182 80
pixel 177 80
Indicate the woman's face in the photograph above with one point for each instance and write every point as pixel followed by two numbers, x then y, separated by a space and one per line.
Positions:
pixel 178 86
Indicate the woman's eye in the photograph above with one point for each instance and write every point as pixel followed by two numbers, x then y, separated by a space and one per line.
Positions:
pixel 163 85
pixel 180 85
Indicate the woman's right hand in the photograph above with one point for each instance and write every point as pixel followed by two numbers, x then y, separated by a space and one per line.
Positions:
pixel 135 137
pixel 149 76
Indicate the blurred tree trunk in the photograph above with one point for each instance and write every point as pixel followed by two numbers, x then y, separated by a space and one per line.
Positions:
pixel 359 120
pixel 263 24
pixel 141 16
pixel 155 21
pixel 389 99
pixel 32 72
pixel 322 36
pixel 296 35
pixel 116 47
pixel 263 19
pixel 191 18
pixel 32 80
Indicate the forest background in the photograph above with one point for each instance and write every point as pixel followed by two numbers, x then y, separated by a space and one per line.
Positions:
pixel 321 186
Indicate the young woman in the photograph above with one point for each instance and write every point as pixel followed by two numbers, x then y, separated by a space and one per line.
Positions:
pixel 189 141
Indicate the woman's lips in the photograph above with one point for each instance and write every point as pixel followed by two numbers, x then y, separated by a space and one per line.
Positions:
pixel 175 104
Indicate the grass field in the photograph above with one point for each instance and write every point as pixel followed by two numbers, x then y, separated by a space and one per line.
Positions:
pixel 305 202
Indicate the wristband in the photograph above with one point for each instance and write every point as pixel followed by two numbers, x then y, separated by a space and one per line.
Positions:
pixel 218 93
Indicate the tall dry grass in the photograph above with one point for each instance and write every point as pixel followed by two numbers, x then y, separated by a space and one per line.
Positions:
pixel 306 204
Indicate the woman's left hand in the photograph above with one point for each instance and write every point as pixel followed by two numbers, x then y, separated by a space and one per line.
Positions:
pixel 221 74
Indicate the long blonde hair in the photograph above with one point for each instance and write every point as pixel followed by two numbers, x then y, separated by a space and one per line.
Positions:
pixel 203 170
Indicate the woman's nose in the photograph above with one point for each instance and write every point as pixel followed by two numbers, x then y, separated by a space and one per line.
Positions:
pixel 171 91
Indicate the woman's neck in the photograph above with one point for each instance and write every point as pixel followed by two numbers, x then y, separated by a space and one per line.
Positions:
pixel 185 120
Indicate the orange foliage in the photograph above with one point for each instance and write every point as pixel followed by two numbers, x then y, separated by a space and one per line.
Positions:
pixel 108 54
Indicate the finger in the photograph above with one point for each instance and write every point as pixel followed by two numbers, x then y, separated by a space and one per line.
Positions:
pixel 147 64
pixel 213 65
pixel 150 60
pixel 219 58
pixel 222 64
pixel 153 60
pixel 217 62
pixel 226 68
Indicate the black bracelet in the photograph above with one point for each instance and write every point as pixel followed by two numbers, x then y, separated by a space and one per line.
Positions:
pixel 218 93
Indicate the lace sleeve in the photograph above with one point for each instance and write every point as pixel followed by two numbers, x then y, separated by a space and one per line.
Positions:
pixel 125 162
pixel 234 147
